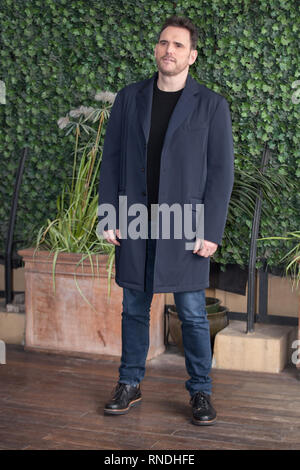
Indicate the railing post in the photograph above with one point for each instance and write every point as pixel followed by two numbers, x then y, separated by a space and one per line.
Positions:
pixel 11 226
pixel 253 249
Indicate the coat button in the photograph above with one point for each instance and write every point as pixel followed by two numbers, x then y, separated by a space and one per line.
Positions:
pixel 144 193
pixel 142 169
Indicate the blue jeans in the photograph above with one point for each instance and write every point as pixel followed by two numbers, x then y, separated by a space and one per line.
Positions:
pixel 135 331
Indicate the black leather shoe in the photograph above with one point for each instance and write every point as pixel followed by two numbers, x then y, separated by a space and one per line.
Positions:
pixel 204 413
pixel 124 397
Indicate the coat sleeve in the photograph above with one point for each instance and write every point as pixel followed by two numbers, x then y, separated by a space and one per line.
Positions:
pixel 111 161
pixel 220 173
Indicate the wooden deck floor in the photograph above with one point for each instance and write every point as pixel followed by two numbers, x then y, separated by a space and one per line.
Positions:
pixel 55 402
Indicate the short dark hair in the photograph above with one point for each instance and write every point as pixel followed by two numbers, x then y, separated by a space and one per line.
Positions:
pixel 182 22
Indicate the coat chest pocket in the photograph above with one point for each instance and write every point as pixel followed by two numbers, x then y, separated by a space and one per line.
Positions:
pixel 202 129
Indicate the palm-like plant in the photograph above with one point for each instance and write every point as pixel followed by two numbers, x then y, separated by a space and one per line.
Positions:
pixel 245 190
pixel 292 257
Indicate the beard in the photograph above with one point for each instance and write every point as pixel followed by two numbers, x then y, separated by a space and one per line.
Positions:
pixel 169 72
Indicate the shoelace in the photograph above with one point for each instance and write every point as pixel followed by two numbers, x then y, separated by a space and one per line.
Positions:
pixel 200 401
pixel 119 390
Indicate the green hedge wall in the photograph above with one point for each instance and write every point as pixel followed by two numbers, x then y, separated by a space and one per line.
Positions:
pixel 56 54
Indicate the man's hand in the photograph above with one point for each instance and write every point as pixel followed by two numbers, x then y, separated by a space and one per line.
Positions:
pixel 204 248
pixel 110 236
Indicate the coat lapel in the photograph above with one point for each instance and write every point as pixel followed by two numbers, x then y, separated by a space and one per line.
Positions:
pixel 144 105
pixel 183 108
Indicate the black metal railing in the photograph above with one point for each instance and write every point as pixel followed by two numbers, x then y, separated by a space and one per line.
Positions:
pixel 253 250
pixel 10 231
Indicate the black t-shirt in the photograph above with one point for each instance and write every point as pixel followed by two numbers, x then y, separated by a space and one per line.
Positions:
pixel 163 104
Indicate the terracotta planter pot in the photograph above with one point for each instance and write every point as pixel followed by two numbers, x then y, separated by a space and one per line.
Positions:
pixel 217 321
pixel 63 322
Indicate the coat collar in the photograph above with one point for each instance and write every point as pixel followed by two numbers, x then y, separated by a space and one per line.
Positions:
pixel 183 108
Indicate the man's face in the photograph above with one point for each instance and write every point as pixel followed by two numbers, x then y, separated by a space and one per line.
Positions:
pixel 173 52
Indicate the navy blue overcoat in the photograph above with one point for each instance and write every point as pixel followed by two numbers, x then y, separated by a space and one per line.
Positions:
pixel 197 167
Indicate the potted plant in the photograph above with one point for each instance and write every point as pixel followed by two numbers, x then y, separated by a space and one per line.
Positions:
pixel 71 304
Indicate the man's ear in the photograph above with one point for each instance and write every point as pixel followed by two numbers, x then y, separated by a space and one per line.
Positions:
pixel 193 56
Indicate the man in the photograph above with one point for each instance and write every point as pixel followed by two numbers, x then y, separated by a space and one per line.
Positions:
pixel 168 141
